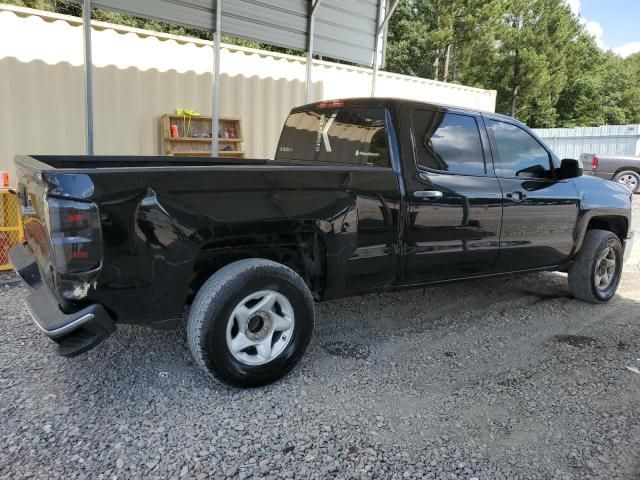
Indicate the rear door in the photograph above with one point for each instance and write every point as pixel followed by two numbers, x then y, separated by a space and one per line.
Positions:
pixel 540 212
pixel 455 203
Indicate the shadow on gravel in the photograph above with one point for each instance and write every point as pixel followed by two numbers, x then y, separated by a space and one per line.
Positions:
pixel 575 340
pixel 544 297
pixel 347 350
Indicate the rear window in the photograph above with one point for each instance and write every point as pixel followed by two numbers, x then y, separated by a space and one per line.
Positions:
pixel 351 135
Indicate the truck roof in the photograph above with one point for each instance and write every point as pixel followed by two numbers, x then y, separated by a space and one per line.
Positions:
pixel 394 102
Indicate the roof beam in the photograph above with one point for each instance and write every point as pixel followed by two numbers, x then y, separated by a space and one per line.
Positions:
pixel 88 74
pixel 379 30
pixel 215 100
pixel 313 9
pixel 388 17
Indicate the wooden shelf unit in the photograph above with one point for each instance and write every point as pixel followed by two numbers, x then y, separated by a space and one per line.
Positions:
pixel 197 144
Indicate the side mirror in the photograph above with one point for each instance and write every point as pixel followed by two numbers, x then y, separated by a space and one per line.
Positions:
pixel 569 168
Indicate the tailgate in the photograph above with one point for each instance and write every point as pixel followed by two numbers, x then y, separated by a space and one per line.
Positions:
pixel 32 193
pixel 61 226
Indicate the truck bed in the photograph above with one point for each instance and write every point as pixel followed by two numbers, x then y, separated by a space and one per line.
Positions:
pixel 165 217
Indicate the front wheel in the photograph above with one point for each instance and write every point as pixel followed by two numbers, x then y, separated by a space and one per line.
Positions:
pixel 595 275
pixel 250 323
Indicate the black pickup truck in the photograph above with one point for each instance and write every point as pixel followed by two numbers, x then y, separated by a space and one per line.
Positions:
pixel 364 195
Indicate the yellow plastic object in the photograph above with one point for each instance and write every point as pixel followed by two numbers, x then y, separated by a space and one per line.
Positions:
pixel 11 231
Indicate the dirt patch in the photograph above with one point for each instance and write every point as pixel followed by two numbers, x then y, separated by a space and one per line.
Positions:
pixel 347 350
pixel 575 340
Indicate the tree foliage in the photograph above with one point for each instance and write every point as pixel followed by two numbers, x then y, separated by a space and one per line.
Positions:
pixel 547 70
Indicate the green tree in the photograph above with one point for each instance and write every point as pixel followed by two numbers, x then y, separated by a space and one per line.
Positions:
pixel 631 95
pixel 409 47
pixel 531 60
pixel 431 39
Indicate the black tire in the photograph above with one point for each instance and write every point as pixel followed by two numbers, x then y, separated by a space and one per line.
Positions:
pixel 629 176
pixel 212 309
pixel 582 274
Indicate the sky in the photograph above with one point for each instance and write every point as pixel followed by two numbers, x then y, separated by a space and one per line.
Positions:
pixel 615 24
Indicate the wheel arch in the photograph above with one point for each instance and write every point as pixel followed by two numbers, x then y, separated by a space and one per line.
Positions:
pixel 610 221
pixel 304 252
pixel 614 223
pixel 626 169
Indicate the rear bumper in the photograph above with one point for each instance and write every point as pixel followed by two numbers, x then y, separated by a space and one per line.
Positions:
pixel 75 332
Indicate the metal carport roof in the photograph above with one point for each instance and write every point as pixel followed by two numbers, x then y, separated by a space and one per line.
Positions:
pixel 345 30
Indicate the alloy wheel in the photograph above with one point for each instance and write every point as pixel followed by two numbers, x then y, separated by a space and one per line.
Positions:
pixel 260 327
pixel 605 270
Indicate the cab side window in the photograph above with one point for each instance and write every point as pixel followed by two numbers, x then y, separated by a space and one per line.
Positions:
pixel 447 142
pixel 519 154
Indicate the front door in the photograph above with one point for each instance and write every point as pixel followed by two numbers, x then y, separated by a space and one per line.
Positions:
pixel 540 212
pixel 455 203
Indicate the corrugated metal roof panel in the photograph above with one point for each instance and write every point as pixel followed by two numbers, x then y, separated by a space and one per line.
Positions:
pixel 344 30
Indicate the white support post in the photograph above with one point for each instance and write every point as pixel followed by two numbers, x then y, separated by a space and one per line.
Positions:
pixel 313 7
pixel 215 106
pixel 88 74
pixel 380 28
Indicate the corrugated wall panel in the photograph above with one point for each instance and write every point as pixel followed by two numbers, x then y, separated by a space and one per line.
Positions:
pixel 140 75
pixel 604 140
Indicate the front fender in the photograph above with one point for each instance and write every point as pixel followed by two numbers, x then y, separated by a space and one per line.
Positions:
pixel 601 199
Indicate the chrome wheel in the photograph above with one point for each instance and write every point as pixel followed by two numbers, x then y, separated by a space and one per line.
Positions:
pixel 630 181
pixel 605 269
pixel 260 327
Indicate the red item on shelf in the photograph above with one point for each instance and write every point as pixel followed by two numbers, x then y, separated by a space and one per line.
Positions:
pixel 232 132
pixel 174 131
pixel 5 178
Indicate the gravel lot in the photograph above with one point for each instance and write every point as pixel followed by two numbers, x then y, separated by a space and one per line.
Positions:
pixel 507 378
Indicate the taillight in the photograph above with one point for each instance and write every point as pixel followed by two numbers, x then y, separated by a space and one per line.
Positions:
pixel 595 161
pixel 75 235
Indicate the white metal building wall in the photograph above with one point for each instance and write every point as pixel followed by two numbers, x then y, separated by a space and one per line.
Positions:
pixel 605 140
pixel 140 75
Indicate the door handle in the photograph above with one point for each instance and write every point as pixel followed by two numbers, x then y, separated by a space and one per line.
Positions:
pixel 427 194
pixel 516 196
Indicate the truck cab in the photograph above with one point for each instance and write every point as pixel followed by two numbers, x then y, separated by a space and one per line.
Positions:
pixel 479 193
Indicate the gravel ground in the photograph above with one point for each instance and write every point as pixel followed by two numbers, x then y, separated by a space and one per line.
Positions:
pixel 505 378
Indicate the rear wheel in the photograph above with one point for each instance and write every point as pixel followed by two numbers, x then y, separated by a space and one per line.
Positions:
pixel 595 275
pixel 629 179
pixel 251 322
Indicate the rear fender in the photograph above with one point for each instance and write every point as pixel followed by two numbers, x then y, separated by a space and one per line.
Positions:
pixel 302 247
